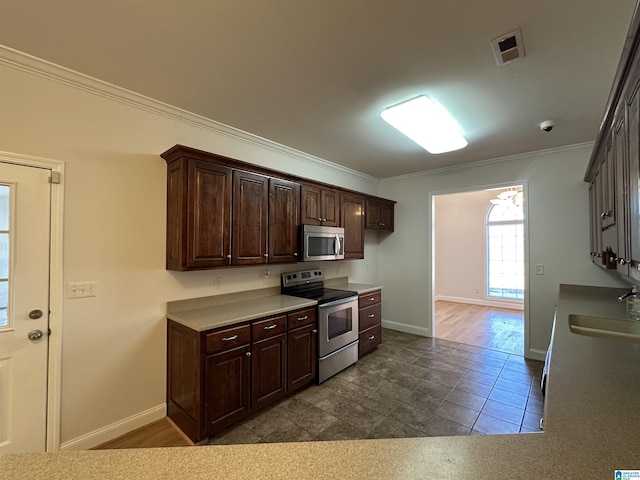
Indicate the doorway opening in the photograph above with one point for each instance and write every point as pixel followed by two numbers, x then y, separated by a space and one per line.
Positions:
pixel 479 258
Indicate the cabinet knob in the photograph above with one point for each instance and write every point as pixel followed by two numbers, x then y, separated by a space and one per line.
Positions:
pixel 266 255
pixel 248 354
pixel 604 215
pixel 623 261
pixel 295 254
pixel 314 331
pixel 229 258
pixel 319 219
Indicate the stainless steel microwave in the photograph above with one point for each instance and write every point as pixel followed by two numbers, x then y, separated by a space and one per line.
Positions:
pixel 321 243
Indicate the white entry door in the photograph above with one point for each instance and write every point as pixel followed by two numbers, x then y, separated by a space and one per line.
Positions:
pixel 25 199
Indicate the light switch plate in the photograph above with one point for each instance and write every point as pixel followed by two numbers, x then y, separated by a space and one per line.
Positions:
pixel 81 289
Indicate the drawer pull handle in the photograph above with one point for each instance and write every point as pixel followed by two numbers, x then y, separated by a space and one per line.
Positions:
pixel 302 319
pixel 228 339
pixel 270 327
pixel 372 299
pixel 372 337
pixel 372 315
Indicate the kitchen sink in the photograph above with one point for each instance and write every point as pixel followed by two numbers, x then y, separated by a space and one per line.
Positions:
pixel 625 330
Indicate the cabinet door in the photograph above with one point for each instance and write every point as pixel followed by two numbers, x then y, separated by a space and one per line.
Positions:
pixel 250 206
pixel 284 218
pixel 353 223
pixel 633 152
pixel 596 231
pixel 310 201
pixel 330 207
pixel 372 215
pixel 622 193
pixel 209 215
pixel 268 376
pixel 608 170
pixel 386 216
pixel 227 383
pixel 301 364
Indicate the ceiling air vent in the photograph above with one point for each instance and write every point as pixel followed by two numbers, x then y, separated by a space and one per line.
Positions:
pixel 508 48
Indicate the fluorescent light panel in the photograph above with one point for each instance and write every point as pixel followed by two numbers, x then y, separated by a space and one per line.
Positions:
pixel 427 124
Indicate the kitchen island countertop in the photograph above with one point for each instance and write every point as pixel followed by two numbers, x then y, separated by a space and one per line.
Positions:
pixel 591 420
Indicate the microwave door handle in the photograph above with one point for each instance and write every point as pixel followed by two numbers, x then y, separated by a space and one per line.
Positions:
pixel 337 245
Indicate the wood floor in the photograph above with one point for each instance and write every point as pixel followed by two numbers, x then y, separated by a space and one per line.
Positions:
pixel 487 327
pixel 161 433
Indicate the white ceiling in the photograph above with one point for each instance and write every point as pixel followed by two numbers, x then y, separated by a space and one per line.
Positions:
pixel 315 74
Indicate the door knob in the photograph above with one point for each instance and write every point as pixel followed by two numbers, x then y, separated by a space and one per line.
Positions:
pixel 35 314
pixel 35 335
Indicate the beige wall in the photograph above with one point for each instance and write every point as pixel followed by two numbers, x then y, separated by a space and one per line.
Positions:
pixel 114 233
pixel 558 235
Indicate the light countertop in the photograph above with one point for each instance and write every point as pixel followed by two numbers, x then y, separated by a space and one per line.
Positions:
pixel 201 319
pixel 360 288
pixel 592 428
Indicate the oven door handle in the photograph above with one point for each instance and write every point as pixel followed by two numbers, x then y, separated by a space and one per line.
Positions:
pixel 342 301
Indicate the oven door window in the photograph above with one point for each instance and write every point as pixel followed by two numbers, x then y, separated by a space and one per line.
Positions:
pixel 339 323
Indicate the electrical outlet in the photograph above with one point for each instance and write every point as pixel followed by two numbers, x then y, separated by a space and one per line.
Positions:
pixel 266 275
pixel 539 269
pixel 217 283
pixel 81 289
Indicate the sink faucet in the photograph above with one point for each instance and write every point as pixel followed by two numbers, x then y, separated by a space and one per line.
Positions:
pixel 623 297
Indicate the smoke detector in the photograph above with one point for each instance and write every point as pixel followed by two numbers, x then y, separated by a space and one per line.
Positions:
pixel 508 48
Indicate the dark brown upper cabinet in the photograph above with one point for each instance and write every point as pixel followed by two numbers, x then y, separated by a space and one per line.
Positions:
pixel 352 220
pixel 284 219
pixel 320 206
pixel 250 214
pixel 223 212
pixel 613 173
pixel 379 215
pixel 198 215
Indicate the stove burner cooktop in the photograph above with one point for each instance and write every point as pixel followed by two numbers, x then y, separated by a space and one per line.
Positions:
pixel 310 284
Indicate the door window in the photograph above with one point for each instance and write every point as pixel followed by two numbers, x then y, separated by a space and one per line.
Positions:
pixel 5 253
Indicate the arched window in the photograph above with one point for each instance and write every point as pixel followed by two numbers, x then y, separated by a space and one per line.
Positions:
pixel 505 251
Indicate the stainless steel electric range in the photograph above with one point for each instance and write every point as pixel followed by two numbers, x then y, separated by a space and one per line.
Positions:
pixel 337 319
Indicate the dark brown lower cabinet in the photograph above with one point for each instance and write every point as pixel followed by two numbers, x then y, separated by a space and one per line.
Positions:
pixel 219 376
pixel 268 370
pixel 369 322
pixel 301 348
pixel 226 387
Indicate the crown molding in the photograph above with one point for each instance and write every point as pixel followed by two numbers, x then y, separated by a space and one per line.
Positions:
pixel 37 66
pixel 491 161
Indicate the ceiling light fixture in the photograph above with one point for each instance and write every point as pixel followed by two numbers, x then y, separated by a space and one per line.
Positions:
pixel 426 123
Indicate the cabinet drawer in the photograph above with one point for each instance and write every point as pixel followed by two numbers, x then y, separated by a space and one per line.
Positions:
pixel 268 327
pixel 301 318
pixel 370 298
pixel 369 316
pixel 369 340
pixel 227 339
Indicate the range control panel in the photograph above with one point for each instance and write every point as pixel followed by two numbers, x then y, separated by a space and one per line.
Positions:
pixel 291 279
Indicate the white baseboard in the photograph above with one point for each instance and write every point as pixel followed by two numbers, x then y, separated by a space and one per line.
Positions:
pixel 104 434
pixel 403 327
pixel 536 354
pixel 482 302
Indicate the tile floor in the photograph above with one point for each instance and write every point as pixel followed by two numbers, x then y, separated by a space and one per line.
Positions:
pixel 411 386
